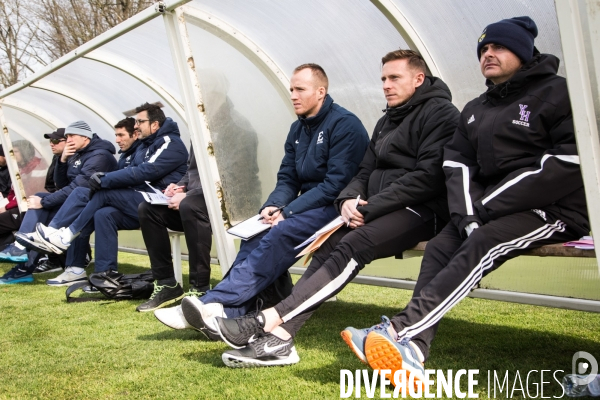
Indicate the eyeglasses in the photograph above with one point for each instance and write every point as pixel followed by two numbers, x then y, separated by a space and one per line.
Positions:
pixel 57 141
pixel 140 121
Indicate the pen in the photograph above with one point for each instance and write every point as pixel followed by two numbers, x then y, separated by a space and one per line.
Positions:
pixel 355 205
pixel 273 212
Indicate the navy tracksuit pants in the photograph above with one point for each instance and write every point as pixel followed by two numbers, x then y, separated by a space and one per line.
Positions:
pixel 264 258
pixel 107 212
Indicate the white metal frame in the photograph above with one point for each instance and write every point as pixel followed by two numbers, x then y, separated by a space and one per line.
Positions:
pixel 189 85
pixel 126 66
pixel 64 91
pixel 408 33
pixel 582 64
pixel 124 27
pixel 244 45
pixel 11 162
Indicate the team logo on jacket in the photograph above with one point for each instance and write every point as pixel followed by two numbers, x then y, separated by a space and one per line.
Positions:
pixel 524 120
pixel 472 119
pixel 320 138
pixel 77 163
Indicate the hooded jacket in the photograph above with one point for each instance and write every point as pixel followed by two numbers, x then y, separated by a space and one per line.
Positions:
pixel 160 159
pixel 403 164
pixel 191 179
pixel 322 154
pixel 97 156
pixel 514 150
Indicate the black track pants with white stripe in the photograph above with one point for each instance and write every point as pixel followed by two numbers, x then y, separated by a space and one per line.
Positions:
pixel 345 253
pixel 452 266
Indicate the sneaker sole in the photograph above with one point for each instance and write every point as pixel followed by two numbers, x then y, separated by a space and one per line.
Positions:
pixel 18 280
pixel 65 283
pixel 381 354
pixel 162 305
pixel 45 272
pixel 347 337
pixel 192 314
pixel 245 362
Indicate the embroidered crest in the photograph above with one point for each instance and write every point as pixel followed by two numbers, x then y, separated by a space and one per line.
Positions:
pixel 524 120
pixel 320 138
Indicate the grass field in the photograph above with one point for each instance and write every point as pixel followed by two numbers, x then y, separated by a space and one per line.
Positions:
pixel 105 350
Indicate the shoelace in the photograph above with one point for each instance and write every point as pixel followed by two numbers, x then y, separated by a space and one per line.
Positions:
pixel 156 290
pixel 385 322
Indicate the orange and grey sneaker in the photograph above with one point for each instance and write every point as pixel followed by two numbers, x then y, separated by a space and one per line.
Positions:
pixel 384 353
pixel 355 338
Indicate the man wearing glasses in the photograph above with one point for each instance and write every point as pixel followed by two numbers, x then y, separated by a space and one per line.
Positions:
pixel 160 159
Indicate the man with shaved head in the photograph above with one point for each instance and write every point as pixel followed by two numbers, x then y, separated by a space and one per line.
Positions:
pixel 322 153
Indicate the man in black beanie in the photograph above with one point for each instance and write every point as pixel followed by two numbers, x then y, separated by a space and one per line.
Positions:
pixel 514 183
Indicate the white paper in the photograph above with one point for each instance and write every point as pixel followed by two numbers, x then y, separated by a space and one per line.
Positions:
pixel 326 228
pixel 249 228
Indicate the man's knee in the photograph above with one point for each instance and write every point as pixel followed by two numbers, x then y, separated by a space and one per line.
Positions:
pixel 144 208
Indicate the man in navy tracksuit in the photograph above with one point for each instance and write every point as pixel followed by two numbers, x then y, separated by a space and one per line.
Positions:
pixel 126 138
pixel 322 152
pixel 84 154
pixel 160 158
pixel 514 183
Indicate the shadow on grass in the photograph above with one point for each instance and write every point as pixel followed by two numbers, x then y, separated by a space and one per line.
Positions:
pixel 173 334
pixel 459 344
pixel 207 356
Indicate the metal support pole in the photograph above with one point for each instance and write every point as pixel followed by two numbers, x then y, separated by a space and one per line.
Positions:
pixel 408 33
pixel 131 23
pixel 183 59
pixel 11 162
pixel 579 37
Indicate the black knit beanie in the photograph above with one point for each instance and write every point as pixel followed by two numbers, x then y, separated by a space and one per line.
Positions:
pixel 516 34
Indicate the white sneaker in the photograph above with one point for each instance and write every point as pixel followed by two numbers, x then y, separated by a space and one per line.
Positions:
pixel 57 240
pixel 172 317
pixel 67 278
pixel 200 315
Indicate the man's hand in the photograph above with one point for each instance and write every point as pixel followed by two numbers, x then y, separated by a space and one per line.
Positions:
pixel 278 219
pixel 173 189
pixel 351 214
pixel 34 202
pixel 68 151
pixel 95 182
pixel 268 219
pixel 175 200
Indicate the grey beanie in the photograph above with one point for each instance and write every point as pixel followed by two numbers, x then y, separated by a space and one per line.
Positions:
pixel 79 128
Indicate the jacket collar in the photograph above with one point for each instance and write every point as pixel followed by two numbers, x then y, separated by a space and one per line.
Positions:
pixel 323 111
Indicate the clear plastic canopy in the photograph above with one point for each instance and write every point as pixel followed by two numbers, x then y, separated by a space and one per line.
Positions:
pixel 243 56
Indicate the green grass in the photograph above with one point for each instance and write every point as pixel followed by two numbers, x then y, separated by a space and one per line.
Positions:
pixel 53 350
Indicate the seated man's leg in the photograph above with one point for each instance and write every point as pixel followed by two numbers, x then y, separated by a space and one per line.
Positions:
pixel 273 256
pixel 108 221
pixel 384 237
pixel 71 208
pixel 198 237
pixel 486 249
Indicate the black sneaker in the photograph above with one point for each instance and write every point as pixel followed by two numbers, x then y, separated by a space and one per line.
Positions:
pixel 238 332
pixel 46 265
pixel 266 351
pixel 162 296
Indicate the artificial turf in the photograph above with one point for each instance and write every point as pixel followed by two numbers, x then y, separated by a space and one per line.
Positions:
pixel 105 350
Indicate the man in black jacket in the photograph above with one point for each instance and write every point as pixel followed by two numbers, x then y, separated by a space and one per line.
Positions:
pixel 396 200
pixel 514 183
pixel 186 212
